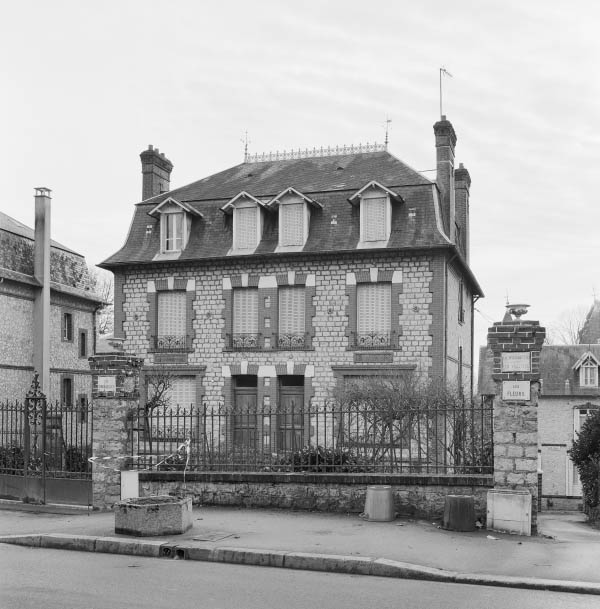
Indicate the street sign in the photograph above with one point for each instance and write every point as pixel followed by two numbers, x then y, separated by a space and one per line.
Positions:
pixel 516 391
pixel 516 361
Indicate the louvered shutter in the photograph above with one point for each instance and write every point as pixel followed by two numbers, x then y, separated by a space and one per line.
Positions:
pixel 171 313
pixel 373 308
pixel 291 310
pixel 246 227
pixel 183 392
pixel 245 311
pixel 292 224
pixel 374 219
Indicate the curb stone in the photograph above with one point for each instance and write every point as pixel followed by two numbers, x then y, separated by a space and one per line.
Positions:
pixel 363 565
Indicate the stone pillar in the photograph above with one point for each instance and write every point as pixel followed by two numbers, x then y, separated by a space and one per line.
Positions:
pixel 115 391
pixel 515 345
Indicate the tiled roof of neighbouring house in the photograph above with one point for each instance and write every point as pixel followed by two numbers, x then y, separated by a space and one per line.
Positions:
pixel 590 333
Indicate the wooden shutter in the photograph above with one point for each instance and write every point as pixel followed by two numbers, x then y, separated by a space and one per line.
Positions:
pixel 291 310
pixel 246 227
pixel 373 308
pixel 292 224
pixel 245 311
pixel 183 392
pixel 374 219
pixel 171 313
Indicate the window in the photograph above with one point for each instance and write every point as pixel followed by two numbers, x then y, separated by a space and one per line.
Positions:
pixel 291 224
pixel 182 392
pixel 373 315
pixel 82 404
pixel 374 219
pixel 67 391
pixel 83 343
pixel 172 231
pixel 291 318
pixel 245 231
pixel 588 373
pixel 245 319
pixel 67 327
pixel 171 320
pixel 461 302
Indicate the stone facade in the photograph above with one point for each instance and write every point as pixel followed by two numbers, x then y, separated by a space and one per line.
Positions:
pixel 329 324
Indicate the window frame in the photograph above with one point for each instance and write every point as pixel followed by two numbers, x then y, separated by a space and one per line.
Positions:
pixel 165 218
pixel 588 374
pixel 67 394
pixel 250 339
pixel 238 208
pixel 83 346
pixel 67 323
pixel 461 302
pixel 375 194
pixel 361 342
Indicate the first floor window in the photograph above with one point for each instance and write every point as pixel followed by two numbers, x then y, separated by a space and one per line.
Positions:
pixel 373 314
pixel 171 320
pixel 245 318
pixel 67 391
pixel 82 343
pixel 291 317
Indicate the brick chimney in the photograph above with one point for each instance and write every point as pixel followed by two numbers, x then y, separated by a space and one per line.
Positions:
pixel 41 303
pixel 156 172
pixel 445 142
pixel 462 183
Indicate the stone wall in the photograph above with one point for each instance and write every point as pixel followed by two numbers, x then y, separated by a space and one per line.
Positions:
pixel 414 496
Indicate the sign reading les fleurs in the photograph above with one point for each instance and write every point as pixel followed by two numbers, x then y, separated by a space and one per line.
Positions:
pixel 516 361
pixel 516 391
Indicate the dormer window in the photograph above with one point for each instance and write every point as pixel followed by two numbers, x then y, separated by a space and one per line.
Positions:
pixel 294 218
pixel 247 222
pixel 375 214
pixel 588 370
pixel 175 225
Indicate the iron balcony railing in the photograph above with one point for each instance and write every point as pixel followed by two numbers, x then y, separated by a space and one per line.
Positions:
pixel 244 342
pixel 293 341
pixel 171 343
pixel 329 438
pixel 372 340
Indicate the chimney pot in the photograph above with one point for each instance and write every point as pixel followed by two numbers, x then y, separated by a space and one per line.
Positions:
pixel 156 172
pixel 150 147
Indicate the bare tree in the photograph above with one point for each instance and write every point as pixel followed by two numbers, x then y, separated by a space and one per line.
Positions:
pixel 566 329
pixel 101 282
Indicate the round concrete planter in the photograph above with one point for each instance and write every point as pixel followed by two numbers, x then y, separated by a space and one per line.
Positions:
pixel 157 515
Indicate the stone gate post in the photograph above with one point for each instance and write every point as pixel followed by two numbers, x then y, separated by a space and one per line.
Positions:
pixel 515 346
pixel 115 391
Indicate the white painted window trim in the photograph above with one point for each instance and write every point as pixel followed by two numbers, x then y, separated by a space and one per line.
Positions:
pixel 185 230
pixel 293 200
pixel 375 193
pixel 593 374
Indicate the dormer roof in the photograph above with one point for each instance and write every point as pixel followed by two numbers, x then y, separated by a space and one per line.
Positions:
pixel 292 191
pixel 588 355
pixel 156 211
pixel 230 205
pixel 374 184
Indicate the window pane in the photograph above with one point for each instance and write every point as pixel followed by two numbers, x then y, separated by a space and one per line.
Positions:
pixel 245 311
pixel 292 224
pixel 374 219
pixel 171 313
pixel 291 310
pixel 173 232
pixel 246 227
pixel 373 308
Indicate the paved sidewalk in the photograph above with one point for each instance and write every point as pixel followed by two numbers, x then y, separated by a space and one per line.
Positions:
pixel 565 556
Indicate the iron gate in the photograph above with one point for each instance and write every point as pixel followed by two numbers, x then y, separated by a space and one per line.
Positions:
pixel 44 450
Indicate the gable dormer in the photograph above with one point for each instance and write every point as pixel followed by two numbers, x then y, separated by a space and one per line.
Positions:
pixel 294 218
pixel 587 365
pixel 248 220
pixel 175 224
pixel 375 202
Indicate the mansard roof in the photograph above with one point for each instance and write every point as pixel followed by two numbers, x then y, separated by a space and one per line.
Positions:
pixel 334 227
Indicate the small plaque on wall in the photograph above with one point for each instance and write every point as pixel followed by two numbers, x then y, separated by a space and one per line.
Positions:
pixel 516 391
pixel 516 361
pixel 107 384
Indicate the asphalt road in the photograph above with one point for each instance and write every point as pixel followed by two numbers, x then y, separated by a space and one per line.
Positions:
pixel 57 579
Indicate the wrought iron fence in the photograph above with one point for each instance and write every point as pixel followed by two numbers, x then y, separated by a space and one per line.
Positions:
pixel 45 438
pixel 328 438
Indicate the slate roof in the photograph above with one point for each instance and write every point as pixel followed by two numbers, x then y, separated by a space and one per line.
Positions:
pixel 11 225
pixel 328 180
pixel 590 332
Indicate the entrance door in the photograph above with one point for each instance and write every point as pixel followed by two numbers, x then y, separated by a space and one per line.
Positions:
pixel 290 415
pixel 245 419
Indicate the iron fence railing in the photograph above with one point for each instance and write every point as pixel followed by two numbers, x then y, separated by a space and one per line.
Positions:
pixel 42 438
pixel 329 438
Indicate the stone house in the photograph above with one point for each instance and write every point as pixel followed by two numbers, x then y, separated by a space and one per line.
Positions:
pixel 71 311
pixel 269 281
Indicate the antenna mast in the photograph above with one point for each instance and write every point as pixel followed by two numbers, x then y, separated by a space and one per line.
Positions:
pixel 443 71
pixel 245 141
pixel 387 128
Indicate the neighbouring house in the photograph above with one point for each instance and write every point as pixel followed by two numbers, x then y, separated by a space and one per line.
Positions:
pixel 270 281
pixel 71 311
pixel 569 393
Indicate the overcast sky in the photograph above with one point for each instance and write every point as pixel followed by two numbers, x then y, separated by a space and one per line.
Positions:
pixel 87 86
